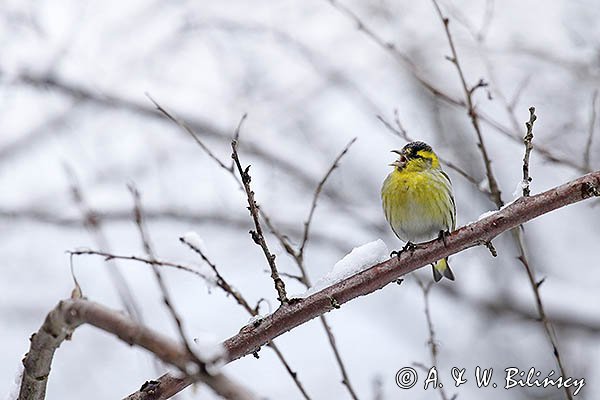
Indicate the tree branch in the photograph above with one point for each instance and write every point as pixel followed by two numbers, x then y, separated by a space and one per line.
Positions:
pixel 432 342
pixel 299 311
pixel 229 289
pixel 69 314
pixel 257 234
pixel 468 92
pixel 436 91
pixel 527 140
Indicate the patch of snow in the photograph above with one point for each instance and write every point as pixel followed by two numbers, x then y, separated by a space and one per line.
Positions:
pixel 509 203
pixel 483 185
pixel 210 350
pixel 522 184
pixel 359 259
pixel 255 318
pixel 194 240
pixel 486 214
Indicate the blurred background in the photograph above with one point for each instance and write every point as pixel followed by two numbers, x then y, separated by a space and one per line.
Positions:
pixel 76 127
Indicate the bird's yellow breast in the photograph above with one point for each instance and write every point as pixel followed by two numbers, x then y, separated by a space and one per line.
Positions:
pixel 418 205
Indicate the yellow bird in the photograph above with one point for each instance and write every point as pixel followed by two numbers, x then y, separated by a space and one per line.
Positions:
pixel 418 202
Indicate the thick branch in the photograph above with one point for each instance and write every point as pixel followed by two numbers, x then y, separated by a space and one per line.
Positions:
pixel 376 277
pixel 299 311
pixel 69 314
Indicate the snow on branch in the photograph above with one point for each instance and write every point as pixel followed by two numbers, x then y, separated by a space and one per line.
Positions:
pixel 298 311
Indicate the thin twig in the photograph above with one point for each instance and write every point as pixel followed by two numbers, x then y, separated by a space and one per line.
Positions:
pixel 190 131
pixel 527 140
pixel 317 193
pixel 520 241
pixel 139 221
pixel 223 284
pixel 545 321
pixel 432 342
pixel 474 117
pixel 592 128
pixel 217 217
pixel 257 234
pixel 150 261
pixel 94 228
pixel 220 280
pixel 404 60
pixel 298 256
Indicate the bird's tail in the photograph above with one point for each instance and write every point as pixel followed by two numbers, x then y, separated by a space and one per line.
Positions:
pixel 441 269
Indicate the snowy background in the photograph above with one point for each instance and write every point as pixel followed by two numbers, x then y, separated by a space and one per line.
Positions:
pixel 73 79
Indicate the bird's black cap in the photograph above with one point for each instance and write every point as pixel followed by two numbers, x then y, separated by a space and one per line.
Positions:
pixel 413 148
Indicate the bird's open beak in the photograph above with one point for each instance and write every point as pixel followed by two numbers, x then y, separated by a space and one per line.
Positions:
pixel 398 163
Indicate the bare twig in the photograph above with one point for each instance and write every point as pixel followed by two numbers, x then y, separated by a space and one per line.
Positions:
pixel 545 321
pixel 298 256
pixel 433 347
pixel 316 196
pixel 223 284
pixel 371 279
pixel 527 140
pixel 94 227
pixel 518 236
pixel 139 221
pixel 220 280
pixel 592 128
pixel 257 234
pixel 516 233
pixel 150 261
pixel 190 131
pixel 69 314
pixel 468 92
pixel 206 128
pixel 509 307
pixel 404 60
pixel 218 217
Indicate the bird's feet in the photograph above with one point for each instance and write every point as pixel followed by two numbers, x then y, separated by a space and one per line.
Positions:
pixel 443 235
pixel 409 246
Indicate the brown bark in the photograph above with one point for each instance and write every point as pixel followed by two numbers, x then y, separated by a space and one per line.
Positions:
pixel 299 311
pixel 69 314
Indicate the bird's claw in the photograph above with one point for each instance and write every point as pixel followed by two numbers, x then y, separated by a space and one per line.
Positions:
pixel 443 235
pixel 409 246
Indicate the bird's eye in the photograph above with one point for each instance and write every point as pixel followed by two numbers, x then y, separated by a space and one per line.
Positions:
pixel 402 159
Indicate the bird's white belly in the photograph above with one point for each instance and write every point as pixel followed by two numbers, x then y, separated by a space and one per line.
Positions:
pixel 416 226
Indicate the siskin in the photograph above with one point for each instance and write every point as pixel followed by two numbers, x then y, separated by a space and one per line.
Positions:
pixel 417 200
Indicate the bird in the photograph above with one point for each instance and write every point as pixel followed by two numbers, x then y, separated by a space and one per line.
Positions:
pixel 418 201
